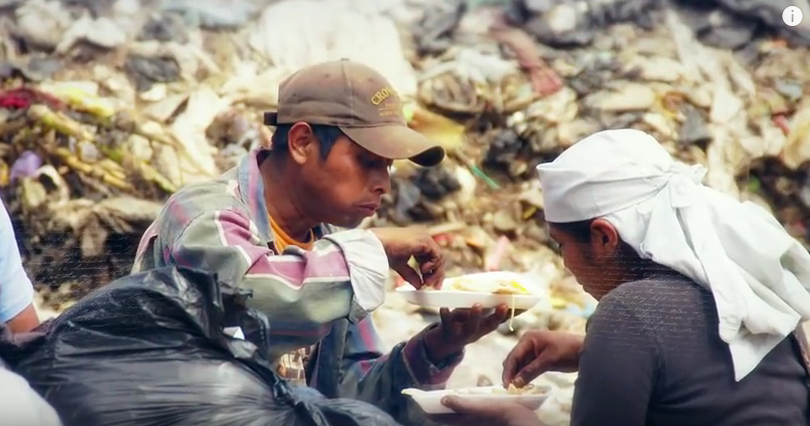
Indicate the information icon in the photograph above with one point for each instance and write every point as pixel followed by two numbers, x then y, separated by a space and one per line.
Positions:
pixel 792 16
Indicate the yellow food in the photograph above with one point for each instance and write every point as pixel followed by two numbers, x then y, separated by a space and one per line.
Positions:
pixel 494 287
pixel 525 390
pixel 511 390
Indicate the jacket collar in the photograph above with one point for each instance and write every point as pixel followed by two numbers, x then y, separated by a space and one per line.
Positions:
pixel 251 190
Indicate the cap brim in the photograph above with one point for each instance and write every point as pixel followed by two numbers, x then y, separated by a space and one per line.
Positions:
pixel 397 142
pixel 271 118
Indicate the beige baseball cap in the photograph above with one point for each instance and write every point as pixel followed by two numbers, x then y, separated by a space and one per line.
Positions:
pixel 359 101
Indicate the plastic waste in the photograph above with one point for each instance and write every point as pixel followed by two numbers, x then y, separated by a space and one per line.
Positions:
pixel 295 34
pixel 150 350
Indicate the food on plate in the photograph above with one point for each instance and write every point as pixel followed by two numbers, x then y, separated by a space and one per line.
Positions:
pixel 525 390
pixel 496 286
pixel 529 396
pixel 480 285
pixel 501 286
pixel 511 390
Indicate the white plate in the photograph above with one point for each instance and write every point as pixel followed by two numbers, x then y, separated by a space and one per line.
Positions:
pixel 431 402
pixel 465 299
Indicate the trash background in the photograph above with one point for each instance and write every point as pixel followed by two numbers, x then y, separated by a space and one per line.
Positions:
pixel 107 108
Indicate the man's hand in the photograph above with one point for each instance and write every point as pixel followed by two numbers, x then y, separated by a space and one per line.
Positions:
pixel 401 244
pixel 488 413
pixel 541 351
pixel 460 328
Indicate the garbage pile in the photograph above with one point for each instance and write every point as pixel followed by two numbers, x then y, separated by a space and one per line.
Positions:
pixel 738 110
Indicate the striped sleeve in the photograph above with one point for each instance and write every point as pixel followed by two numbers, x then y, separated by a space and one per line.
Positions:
pixel 301 291
pixel 377 378
pixel 364 355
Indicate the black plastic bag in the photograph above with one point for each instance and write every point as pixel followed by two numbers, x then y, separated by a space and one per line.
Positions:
pixel 149 350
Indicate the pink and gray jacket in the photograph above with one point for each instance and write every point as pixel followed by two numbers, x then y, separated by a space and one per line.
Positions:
pixel 320 297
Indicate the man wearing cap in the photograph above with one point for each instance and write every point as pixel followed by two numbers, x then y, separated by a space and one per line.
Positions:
pixel 268 225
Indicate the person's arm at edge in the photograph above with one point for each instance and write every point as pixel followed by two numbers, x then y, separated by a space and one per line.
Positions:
pixel 343 275
pixel 16 291
pixel 617 369
pixel 25 321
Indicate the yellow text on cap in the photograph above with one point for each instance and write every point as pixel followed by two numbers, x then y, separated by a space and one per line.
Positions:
pixel 382 95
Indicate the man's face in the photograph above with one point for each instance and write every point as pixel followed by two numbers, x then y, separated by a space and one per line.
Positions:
pixel 347 186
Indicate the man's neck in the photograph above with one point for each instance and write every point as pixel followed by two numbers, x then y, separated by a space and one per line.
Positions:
pixel 281 205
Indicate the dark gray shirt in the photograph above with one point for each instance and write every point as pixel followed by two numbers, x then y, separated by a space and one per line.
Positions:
pixel 653 357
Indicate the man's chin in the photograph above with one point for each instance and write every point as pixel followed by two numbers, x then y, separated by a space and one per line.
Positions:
pixel 353 223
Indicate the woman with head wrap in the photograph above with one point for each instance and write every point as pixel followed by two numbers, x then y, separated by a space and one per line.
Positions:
pixel 701 297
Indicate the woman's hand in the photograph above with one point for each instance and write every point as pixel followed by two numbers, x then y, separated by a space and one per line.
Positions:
pixel 540 351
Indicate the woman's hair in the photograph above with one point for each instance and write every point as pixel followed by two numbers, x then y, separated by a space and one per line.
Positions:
pixel 580 231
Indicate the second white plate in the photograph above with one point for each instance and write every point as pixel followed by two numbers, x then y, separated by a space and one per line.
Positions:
pixel 431 402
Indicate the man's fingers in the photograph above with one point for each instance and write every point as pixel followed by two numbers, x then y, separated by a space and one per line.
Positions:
pixel 473 321
pixel 446 316
pixel 433 273
pixel 494 320
pixel 460 315
pixel 409 274
pixel 426 250
pixel 431 263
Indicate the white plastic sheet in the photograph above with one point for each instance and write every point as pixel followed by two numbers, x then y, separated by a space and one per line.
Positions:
pixel 297 33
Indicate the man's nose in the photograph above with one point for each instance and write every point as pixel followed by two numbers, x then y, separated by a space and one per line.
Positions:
pixel 382 185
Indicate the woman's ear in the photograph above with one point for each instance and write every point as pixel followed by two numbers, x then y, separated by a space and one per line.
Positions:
pixel 605 240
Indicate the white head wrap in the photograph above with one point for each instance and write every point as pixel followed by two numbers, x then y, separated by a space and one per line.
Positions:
pixel 759 275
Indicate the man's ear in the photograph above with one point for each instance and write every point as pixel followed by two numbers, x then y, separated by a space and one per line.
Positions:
pixel 605 240
pixel 301 142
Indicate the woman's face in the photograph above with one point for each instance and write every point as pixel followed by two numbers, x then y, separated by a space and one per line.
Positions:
pixel 597 272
